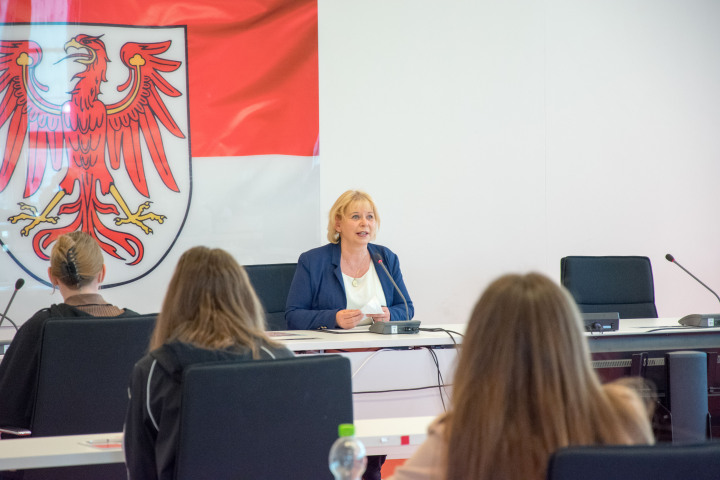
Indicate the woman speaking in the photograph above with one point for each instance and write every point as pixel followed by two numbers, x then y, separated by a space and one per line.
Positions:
pixel 343 284
pixel 336 283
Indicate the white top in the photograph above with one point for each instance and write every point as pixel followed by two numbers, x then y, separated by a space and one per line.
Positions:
pixel 363 291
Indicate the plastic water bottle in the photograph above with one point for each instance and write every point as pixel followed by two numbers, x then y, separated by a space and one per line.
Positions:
pixel 347 455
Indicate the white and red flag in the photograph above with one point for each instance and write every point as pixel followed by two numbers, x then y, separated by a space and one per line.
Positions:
pixel 156 123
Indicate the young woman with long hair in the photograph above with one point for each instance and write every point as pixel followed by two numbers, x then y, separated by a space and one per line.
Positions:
pixel 524 386
pixel 210 313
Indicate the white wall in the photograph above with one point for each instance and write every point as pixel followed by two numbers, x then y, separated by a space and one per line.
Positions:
pixel 502 136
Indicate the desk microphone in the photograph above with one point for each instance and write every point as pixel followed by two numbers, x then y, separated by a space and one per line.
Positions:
pixel 697 320
pixel 389 328
pixel 379 260
pixel 671 259
pixel 18 285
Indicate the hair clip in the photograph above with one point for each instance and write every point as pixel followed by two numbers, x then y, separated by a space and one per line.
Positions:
pixel 71 268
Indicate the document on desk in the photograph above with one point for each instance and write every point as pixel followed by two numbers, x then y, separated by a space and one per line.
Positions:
pixel 342 331
pixel 285 336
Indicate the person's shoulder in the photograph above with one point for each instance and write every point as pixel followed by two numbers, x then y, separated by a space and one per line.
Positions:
pixel 323 250
pixel 319 253
pixel 382 250
pixel 632 408
pixel 37 321
pixel 437 426
pixel 280 352
pixel 40 316
pixel 145 362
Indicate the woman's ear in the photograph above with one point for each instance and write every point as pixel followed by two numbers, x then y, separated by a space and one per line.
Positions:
pixel 101 275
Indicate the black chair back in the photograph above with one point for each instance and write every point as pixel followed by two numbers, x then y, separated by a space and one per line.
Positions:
pixel 83 378
pixel 648 462
pixel 262 419
pixel 272 284
pixel 622 284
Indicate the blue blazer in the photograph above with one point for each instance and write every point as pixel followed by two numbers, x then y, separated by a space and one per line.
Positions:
pixel 317 291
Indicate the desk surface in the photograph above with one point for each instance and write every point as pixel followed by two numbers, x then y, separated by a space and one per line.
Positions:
pixel 653 334
pixel 360 338
pixel 643 333
pixel 395 437
pixel 60 451
pixel 302 340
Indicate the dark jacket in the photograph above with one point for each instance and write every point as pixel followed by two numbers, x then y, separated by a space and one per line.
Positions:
pixel 317 291
pixel 152 422
pixel 19 367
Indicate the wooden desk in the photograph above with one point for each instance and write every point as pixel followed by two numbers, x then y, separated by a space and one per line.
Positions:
pixel 396 437
pixel 653 334
pixel 361 338
pixel 41 452
pixel 387 364
pixel 392 375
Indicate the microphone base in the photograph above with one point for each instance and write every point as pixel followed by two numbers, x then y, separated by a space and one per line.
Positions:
pixel 706 320
pixel 392 328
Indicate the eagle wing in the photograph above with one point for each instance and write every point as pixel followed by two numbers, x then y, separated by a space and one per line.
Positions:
pixel 141 112
pixel 22 106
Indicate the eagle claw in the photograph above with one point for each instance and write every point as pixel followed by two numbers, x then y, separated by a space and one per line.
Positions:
pixel 33 216
pixel 138 218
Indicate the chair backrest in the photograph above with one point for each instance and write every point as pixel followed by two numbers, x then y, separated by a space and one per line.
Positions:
pixel 622 284
pixel 272 284
pixel 649 462
pixel 262 419
pixel 83 378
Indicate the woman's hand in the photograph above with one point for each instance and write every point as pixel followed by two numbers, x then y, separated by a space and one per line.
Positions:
pixel 383 317
pixel 348 318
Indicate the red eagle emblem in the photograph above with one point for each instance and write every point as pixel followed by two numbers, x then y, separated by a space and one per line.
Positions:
pixel 88 137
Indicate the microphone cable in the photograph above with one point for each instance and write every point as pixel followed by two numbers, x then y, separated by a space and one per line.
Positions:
pixel 13 323
pixel 441 385
pixel 450 333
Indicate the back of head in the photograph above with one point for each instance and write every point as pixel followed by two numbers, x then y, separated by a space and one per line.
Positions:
pixel 76 259
pixel 341 206
pixel 210 303
pixel 524 384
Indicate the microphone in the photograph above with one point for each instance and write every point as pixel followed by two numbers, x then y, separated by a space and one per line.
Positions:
pixel 671 259
pixel 378 259
pixel 695 320
pixel 18 285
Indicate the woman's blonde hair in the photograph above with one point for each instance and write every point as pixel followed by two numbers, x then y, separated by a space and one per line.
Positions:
pixel 76 259
pixel 211 303
pixel 340 208
pixel 524 386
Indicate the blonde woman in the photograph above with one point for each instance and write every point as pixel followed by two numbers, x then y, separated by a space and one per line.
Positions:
pixel 523 388
pixel 210 313
pixel 332 283
pixel 76 269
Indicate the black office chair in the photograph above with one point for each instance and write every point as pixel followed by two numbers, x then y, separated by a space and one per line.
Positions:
pixel 83 377
pixel 611 284
pixel 649 462
pixel 272 284
pixel 262 419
